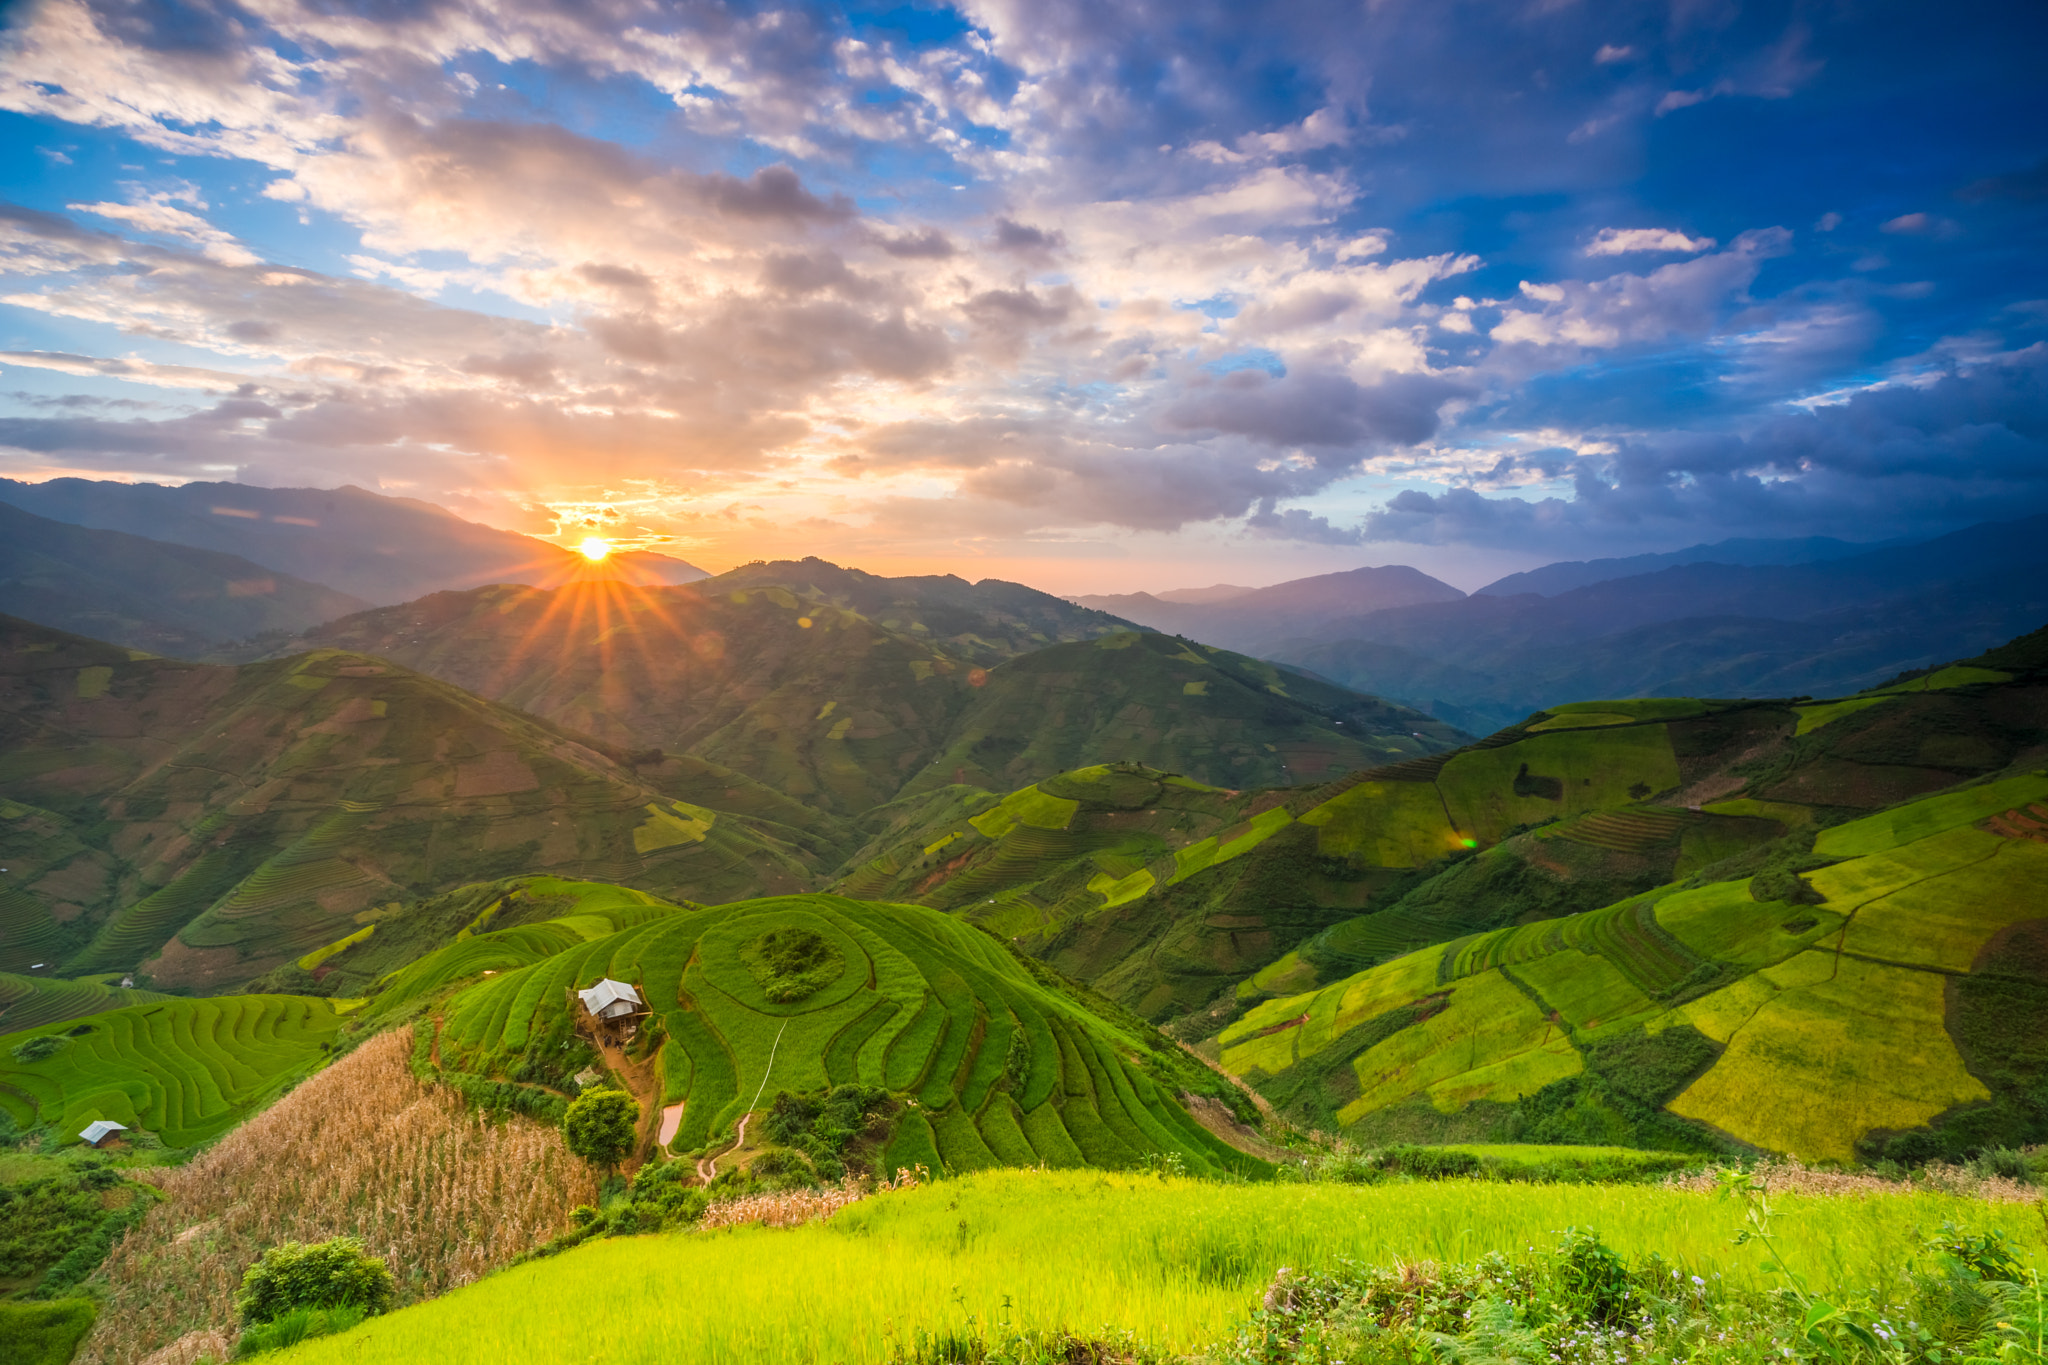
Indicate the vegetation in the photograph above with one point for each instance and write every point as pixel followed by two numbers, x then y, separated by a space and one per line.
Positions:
pixel 997 1065
pixel 363 1149
pixel 599 1126
pixel 43 1333
pixel 297 1276
pixel 1184 1267
pixel 184 1070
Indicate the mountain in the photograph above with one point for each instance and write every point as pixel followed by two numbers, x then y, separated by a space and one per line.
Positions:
pixel 776 671
pixel 377 548
pixel 212 824
pixel 1553 579
pixel 1255 619
pixel 1167 894
pixel 1220 592
pixel 147 594
pixel 978 623
pixel 1825 628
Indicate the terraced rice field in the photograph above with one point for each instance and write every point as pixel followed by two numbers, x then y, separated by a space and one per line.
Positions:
pixel 1004 1069
pixel 1833 1019
pixel 186 1070
pixel 28 1002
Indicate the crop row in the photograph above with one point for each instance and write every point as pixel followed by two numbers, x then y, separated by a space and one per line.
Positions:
pixel 1630 831
pixel 139 929
pixel 27 933
pixel 1629 936
pixel 925 1006
pixel 28 1002
pixel 183 1069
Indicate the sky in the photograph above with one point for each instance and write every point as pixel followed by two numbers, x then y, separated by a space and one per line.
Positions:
pixel 1098 297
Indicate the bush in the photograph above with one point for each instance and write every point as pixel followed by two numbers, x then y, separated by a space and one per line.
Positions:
pixel 319 1275
pixel 37 1048
pixel 600 1126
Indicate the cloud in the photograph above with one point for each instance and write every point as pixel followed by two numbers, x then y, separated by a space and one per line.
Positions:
pixel 1623 241
pixel 1317 409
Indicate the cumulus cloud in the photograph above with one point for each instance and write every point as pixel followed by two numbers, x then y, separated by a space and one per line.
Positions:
pixel 1623 241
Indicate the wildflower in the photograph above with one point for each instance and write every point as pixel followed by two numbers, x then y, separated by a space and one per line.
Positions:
pixel 1696 1280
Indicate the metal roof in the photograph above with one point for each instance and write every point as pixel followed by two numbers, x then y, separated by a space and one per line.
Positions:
pixel 603 998
pixel 99 1128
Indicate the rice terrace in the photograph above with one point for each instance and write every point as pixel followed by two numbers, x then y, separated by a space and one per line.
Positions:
pixel 778 683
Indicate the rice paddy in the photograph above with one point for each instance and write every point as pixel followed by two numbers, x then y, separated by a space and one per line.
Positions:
pixel 185 1070
pixel 1004 1068
pixel 1176 1264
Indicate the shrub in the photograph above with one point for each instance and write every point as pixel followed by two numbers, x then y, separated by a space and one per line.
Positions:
pixel 792 963
pixel 321 1275
pixel 600 1126
pixel 37 1048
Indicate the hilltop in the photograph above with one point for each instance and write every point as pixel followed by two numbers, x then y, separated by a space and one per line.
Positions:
pixel 845 712
pixel 222 821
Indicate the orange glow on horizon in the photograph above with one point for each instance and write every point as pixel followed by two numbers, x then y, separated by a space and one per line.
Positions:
pixel 594 548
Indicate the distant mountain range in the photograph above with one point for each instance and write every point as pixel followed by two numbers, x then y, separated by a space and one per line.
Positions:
pixel 1553 579
pixel 376 548
pixel 1254 619
pixel 147 594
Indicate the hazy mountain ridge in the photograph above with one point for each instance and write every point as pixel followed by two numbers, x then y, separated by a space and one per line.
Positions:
pixel 374 547
pixel 149 594
pixel 1252 620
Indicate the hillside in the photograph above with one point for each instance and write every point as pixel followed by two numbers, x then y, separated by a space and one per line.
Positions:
pixel 1885 997
pixel 843 712
pixel 1820 629
pixel 1002 1065
pixel 219 822
pixel 147 594
pixel 1552 579
pixel 370 546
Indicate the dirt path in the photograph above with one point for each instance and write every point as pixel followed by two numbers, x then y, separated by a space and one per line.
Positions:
pixel 707 1168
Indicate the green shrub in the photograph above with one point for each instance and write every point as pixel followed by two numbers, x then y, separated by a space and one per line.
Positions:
pixel 600 1126
pixel 319 1275
pixel 39 1047
pixel 300 1324
pixel 792 963
pixel 44 1333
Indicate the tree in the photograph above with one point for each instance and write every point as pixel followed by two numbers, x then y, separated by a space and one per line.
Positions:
pixel 331 1274
pixel 600 1126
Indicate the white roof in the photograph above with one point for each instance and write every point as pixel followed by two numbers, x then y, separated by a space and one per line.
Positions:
pixel 607 993
pixel 99 1128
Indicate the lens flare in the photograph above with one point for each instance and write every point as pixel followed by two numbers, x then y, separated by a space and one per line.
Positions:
pixel 595 548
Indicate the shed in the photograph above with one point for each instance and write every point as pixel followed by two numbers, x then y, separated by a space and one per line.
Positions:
pixel 610 999
pixel 99 1130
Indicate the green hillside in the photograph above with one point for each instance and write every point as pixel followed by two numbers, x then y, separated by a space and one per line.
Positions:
pixel 1219 717
pixel 215 823
pixel 996 1064
pixel 1886 997
pixel 27 1001
pixel 184 1070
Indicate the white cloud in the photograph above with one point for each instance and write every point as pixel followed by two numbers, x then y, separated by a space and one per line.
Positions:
pixel 1623 241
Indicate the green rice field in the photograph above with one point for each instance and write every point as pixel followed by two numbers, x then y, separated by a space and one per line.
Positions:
pixel 186 1070
pixel 1178 1264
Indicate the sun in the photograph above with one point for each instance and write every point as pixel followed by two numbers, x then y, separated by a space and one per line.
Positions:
pixel 595 548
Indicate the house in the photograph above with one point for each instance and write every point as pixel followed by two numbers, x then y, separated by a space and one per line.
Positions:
pixel 99 1130
pixel 609 1000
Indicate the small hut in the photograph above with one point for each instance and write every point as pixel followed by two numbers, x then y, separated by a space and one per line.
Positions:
pixel 614 1007
pixel 98 1131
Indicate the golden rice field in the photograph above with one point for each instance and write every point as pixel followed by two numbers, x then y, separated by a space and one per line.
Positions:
pixel 1177 1263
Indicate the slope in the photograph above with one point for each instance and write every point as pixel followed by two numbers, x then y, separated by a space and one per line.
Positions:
pixel 1887 998
pixel 1552 579
pixel 146 594
pixel 377 548
pixel 997 1064
pixel 258 813
pixel 1216 716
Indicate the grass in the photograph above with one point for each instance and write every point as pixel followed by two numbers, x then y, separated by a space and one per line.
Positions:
pixel 28 1002
pixel 1179 1265
pixel 43 1333
pixel 186 1070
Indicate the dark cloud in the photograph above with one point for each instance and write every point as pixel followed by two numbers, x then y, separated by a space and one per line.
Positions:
pixel 773 192
pixel 1317 408
pixel 1031 243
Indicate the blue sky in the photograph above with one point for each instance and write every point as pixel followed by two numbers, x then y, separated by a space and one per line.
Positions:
pixel 1097 297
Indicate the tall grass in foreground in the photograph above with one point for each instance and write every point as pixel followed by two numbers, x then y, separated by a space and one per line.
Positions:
pixel 1176 1263
pixel 360 1149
